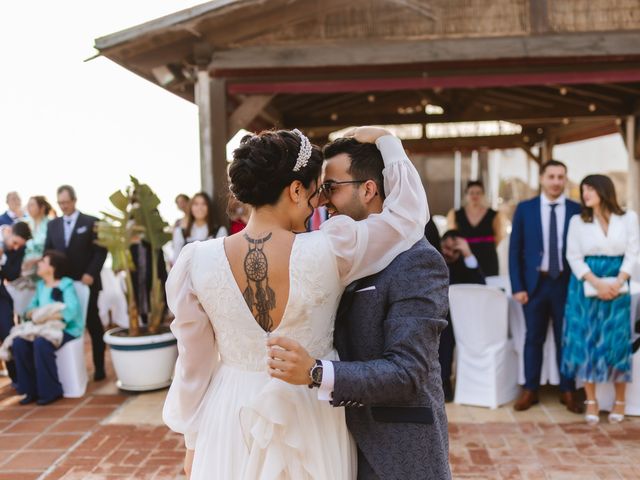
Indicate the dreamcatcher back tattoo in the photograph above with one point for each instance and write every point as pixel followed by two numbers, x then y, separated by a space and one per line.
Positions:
pixel 260 298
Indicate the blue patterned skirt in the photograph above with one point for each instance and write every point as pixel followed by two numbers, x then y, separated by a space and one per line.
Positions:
pixel 596 345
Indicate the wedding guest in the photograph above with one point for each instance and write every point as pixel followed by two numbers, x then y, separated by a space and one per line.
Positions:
pixel 182 202
pixel 142 276
pixel 238 214
pixel 39 209
pixel 540 275
pixel 14 212
pixel 201 224
pixel 603 245
pixel 23 288
pixel 73 234
pixel 482 227
pixel 13 239
pixel 36 360
pixel 463 268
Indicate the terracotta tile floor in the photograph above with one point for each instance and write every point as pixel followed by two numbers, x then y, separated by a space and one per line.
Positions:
pixel 110 434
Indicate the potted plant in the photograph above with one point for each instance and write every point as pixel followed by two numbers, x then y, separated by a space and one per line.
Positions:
pixel 143 356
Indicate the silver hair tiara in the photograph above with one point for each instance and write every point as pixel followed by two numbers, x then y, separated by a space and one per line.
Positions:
pixel 305 151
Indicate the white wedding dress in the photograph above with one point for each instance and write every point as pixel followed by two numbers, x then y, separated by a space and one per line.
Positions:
pixel 242 423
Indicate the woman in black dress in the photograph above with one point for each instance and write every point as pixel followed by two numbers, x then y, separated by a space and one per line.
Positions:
pixel 481 227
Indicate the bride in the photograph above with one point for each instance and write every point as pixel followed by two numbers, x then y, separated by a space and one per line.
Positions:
pixel 229 294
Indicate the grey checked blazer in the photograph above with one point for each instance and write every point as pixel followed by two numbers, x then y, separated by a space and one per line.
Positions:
pixel 387 334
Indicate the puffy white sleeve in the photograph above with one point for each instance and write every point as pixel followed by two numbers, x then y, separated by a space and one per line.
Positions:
pixel 197 352
pixel 632 249
pixel 368 246
pixel 575 255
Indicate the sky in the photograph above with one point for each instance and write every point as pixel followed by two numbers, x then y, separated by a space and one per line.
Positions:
pixel 91 124
pixel 88 124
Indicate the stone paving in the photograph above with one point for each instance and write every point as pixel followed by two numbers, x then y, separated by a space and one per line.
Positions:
pixel 110 434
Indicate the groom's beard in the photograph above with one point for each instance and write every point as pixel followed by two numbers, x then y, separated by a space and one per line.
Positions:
pixel 354 209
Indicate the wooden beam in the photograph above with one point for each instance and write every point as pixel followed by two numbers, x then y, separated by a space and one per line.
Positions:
pixel 527 149
pixel 385 52
pixel 539 15
pixel 211 99
pixel 424 145
pixel 204 103
pixel 246 112
pixel 366 118
pixel 413 83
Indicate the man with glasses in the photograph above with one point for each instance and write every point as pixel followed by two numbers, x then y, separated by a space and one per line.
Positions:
pixel 73 234
pixel 387 332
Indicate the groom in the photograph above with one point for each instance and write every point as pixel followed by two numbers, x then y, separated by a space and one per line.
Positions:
pixel 387 331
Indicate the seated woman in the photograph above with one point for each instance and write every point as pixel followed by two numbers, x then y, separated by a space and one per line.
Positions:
pixel 36 361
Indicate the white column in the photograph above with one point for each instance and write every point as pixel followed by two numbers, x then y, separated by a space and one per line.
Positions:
pixel 457 180
pixel 203 101
pixel 210 96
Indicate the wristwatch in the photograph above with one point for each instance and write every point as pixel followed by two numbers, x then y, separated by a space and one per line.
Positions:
pixel 315 375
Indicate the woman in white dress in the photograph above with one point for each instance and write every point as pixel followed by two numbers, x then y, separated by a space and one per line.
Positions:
pixel 200 224
pixel 229 294
pixel 602 248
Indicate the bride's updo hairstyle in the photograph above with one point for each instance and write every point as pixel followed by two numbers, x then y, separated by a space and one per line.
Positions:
pixel 263 165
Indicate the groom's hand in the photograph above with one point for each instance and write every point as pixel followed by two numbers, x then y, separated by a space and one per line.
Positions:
pixel 288 361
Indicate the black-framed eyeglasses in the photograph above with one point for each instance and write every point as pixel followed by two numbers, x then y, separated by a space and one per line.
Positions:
pixel 327 188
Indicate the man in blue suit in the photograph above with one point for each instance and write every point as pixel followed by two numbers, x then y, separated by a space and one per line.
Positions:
pixel 540 276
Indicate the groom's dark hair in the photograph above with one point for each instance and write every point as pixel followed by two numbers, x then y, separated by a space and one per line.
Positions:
pixel 366 160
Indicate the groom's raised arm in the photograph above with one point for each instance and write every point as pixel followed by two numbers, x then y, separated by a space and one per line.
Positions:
pixel 368 246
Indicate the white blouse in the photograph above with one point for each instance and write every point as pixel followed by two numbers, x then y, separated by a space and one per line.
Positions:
pixel 198 233
pixel 585 239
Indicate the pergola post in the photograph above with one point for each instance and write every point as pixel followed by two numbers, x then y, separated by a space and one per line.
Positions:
pixel 546 150
pixel 211 98
pixel 633 178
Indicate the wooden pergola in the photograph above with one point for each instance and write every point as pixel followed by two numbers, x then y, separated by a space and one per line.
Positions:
pixel 562 71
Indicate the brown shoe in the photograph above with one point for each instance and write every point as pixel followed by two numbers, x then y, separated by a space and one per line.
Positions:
pixel 527 399
pixel 569 399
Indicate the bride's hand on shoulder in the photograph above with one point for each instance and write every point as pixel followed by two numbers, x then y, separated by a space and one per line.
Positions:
pixel 367 134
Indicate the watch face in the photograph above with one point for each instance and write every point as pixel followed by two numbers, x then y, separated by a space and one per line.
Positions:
pixel 316 374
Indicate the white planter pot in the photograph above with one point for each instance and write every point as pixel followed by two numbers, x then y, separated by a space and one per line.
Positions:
pixel 142 363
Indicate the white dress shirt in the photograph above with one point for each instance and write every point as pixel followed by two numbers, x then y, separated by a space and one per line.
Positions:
pixel 545 214
pixel 622 238
pixel 69 225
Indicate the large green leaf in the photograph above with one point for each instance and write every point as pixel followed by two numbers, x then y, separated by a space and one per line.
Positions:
pixel 145 213
pixel 120 200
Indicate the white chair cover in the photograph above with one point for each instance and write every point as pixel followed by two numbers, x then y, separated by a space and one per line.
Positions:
pixel 112 303
pixel 500 281
pixel 70 360
pixel 487 364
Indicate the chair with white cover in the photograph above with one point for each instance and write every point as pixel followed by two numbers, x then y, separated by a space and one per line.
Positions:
pixel 70 360
pixel 487 363
pixel 500 281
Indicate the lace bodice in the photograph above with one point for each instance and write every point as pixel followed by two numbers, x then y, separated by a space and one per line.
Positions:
pixel 309 314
